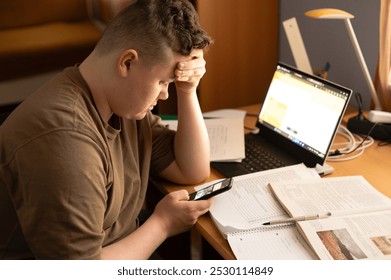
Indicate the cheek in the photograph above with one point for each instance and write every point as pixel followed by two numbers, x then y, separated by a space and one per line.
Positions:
pixel 152 93
pixel 146 97
pixel 139 96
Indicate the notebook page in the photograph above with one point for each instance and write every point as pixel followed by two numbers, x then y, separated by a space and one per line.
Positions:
pixel 278 243
pixel 250 202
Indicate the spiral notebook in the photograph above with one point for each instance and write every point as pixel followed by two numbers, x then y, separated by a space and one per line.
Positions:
pixel 279 242
pixel 239 215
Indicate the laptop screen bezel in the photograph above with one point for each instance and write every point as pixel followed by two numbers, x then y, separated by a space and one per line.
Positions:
pixel 309 158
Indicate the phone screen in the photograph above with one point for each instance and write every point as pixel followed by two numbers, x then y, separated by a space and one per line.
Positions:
pixel 212 190
pixel 208 190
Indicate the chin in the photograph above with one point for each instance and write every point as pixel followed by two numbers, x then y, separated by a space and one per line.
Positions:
pixel 136 116
pixel 139 116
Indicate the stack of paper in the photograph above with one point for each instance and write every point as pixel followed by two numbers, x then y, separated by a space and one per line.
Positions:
pixel 226 134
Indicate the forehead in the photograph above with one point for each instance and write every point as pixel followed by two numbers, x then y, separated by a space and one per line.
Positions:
pixel 168 66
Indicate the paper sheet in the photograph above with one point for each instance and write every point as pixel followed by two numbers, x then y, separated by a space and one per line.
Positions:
pixel 226 134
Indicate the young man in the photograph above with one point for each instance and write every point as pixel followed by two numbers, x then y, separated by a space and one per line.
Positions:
pixel 77 154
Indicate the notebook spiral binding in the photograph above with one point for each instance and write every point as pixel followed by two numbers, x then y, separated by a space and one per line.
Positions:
pixel 262 229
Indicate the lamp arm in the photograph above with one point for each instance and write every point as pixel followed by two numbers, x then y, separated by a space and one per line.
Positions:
pixel 363 65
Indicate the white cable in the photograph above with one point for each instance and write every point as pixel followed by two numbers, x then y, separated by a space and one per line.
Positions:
pixel 351 146
pixel 355 143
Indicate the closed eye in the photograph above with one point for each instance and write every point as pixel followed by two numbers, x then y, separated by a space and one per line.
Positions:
pixel 167 82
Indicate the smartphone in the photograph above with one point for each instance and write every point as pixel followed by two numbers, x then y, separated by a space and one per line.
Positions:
pixel 212 190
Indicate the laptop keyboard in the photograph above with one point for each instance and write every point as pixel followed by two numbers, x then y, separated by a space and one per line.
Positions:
pixel 258 159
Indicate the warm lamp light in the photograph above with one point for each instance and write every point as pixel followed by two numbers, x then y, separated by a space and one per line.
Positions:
pixel 328 14
pixel 342 15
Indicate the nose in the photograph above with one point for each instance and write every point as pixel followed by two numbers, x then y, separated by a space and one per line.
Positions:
pixel 164 94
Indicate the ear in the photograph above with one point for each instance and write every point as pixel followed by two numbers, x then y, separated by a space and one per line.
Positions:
pixel 125 61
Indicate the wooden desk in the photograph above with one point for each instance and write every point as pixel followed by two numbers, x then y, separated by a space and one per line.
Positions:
pixel 374 165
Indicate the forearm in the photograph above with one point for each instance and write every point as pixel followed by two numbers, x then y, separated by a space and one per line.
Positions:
pixel 139 245
pixel 192 148
pixel 173 214
pixel 191 165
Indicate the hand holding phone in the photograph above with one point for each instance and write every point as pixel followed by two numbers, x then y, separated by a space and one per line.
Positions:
pixel 212 190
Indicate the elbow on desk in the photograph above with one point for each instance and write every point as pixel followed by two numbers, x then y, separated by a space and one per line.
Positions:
pixel 196 177
pixel 200 177
pixel 193 176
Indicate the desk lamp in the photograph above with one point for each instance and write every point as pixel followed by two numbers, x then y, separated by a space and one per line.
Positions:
pixel 342 15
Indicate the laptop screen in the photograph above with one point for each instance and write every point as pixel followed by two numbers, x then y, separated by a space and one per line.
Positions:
pixel 304 109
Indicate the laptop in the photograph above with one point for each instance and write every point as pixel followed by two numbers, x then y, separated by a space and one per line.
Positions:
pixel 297 123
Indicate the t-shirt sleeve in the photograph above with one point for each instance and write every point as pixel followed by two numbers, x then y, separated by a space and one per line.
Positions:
pixel 61 206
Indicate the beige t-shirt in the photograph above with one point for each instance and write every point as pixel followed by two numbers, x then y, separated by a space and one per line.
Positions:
pixel 71 184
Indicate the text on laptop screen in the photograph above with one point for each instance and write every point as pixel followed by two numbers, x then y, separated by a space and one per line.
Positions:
pixel 303 109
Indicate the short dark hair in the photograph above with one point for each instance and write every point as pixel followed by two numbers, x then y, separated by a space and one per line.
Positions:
pixel 150 26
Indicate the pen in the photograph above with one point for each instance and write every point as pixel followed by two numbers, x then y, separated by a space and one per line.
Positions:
pixel 298 219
